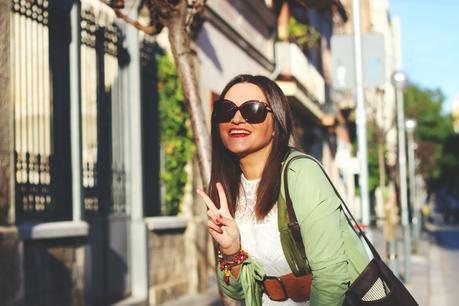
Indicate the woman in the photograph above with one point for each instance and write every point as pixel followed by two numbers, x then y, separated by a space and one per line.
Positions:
pixel 251 127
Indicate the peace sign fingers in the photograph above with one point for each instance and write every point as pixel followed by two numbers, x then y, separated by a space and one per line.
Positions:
pixel 221 224
pixel 210 205
pixel 223 201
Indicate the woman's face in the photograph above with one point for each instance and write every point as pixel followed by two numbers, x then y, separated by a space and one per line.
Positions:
pixel 240 137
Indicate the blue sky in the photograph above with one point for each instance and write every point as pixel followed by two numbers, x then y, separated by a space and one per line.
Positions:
pixel 430 43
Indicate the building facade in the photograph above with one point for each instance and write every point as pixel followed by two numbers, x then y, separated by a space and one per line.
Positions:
pixel 80 192
pixel 379 99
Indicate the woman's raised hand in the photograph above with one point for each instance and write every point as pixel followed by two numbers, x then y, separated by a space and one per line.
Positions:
pixel 221 224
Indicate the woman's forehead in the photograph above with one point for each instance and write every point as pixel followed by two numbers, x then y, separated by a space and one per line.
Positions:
pixel 242 92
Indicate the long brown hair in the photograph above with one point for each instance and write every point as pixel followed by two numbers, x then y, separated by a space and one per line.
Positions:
pixel 225 165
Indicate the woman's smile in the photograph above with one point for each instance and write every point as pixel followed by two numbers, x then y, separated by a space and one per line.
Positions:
pixel 239 133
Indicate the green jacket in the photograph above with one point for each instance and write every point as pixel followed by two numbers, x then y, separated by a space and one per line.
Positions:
pixel 335 253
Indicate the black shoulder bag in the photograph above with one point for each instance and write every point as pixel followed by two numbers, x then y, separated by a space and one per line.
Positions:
pixel 376 285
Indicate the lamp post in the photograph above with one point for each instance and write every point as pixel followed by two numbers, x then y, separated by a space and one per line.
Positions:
pixel 410 125
pixel 399 81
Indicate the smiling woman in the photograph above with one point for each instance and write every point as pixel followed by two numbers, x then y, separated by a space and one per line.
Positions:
pixel 251 127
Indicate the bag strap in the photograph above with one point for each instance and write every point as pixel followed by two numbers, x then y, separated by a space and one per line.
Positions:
pixel 294 226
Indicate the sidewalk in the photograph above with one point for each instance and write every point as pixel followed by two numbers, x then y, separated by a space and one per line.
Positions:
pixel 444 256
pixel 418 286
pixel 208 298
pixel 420 264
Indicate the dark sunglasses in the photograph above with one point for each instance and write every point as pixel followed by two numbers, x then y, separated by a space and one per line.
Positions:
pixel 252 111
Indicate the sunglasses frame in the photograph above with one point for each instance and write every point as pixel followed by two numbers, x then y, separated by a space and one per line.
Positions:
pixel 266 108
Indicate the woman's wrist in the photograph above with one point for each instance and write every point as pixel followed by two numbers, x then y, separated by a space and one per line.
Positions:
pixel 227 265
pixel 230 252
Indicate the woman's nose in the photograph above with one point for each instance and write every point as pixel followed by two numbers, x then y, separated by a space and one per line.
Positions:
pixel 237 118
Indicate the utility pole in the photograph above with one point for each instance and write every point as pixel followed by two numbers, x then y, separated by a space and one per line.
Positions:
pixel 410 125
pixel 399 80
pixel 361 120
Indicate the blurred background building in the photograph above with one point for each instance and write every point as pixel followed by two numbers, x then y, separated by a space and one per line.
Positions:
pixel 379 95
pixel 85 204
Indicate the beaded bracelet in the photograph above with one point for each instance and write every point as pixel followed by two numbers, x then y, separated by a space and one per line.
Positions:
pixel 227 265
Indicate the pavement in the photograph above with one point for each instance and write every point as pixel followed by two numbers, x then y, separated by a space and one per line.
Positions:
pixel 418 284
pixel 444 268
pixel 426 284
pixel 208 298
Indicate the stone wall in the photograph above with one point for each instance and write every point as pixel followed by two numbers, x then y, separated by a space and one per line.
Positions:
pixel 6 119
pixel 54 271
pixel 10 265
pixel 168 271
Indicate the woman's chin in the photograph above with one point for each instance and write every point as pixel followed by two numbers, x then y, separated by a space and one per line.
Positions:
pixel 238 150
pixel 243 151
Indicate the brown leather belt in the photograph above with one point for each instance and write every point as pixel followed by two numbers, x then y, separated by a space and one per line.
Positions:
pixel 288 286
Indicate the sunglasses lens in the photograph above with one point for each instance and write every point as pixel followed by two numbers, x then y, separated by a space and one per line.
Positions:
pixel 224 111
pixel 254 112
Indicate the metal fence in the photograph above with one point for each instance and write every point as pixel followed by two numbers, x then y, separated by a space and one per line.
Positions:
pixel 32 107
pixel 102 113
pixel 42 111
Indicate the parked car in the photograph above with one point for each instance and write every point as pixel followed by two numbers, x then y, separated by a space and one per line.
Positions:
pixel 451 209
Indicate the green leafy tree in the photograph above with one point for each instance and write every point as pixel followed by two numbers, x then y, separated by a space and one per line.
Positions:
pixel 433 130
pixel 450 164
pixel 374 135
pixel 176 134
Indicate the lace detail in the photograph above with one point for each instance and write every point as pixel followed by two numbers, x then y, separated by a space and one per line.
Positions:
pixel 245 209
pixel 261 238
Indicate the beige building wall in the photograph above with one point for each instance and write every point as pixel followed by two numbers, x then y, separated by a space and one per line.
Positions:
pixel 384 100
pixel 380 102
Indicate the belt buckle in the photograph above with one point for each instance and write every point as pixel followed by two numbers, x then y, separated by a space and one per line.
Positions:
pixel 280 284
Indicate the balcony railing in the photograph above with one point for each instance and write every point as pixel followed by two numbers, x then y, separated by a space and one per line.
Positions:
pixel 255 32
pixel 291 61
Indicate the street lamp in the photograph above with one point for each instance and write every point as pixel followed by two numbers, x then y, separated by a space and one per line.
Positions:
pixel 399 81
pixel 410 125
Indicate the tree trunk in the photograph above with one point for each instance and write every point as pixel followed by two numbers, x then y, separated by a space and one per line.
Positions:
pixel 180 43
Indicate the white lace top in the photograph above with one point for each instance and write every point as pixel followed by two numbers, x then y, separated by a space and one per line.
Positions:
pixel 261 239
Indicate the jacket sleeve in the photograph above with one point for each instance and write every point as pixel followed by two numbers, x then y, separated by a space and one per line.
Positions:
pixel 234 287
pixel 318 212
pixel 246 285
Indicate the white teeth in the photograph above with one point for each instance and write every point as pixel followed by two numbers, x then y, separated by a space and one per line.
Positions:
pixel 235 132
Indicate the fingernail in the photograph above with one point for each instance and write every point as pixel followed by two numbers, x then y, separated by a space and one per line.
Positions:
pixel 217 221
